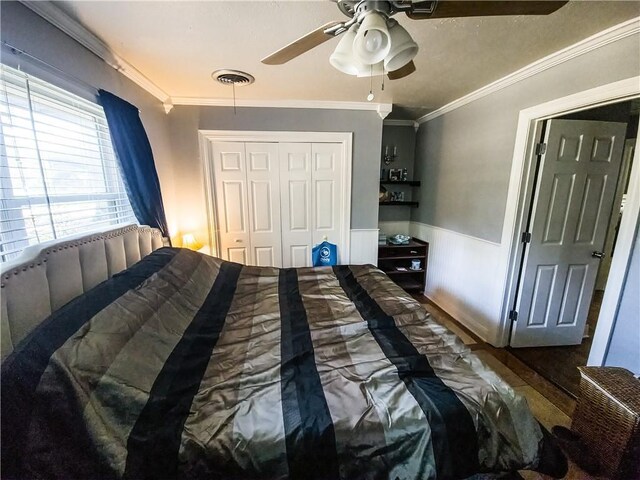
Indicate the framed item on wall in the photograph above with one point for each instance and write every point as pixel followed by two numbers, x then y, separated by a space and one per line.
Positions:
pixel 395 174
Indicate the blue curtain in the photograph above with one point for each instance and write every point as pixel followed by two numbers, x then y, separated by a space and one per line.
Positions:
pixel 134 154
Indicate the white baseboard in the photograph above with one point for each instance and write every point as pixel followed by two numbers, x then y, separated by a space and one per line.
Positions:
pixel 364 246
pixel 464 278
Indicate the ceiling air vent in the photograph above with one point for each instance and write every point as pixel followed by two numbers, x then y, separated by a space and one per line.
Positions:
pixel 233 77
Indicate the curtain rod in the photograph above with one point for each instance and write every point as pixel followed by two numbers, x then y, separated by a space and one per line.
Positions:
pixel 18 51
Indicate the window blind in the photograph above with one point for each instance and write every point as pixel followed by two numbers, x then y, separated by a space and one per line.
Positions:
pixel 58 172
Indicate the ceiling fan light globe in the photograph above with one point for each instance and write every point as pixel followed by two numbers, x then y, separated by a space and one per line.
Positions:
pixel 342 58
pixel 343 64
pixel 403 48
pixel 372 42
pixel 399 58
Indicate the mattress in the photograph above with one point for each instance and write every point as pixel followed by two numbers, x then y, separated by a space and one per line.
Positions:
pixel 188 366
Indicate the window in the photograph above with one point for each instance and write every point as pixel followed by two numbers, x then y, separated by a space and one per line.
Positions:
pixel 58 171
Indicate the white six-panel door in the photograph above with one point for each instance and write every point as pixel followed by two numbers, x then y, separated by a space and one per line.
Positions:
pixel 276 200
pixel 263 188
pixel 569 223
pixel 326 191
pixel 229 166
pixel 297 225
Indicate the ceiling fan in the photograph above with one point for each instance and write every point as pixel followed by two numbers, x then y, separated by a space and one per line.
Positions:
pixel 376 44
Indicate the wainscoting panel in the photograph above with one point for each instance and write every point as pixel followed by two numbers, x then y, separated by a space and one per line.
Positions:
pixel 364 246
pixel 464 277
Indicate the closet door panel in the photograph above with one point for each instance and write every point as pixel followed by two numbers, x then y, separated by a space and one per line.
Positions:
pixel 298 213
pixel 238 255
pixel 325 205
pixel 266 256
pixel 229 167
pixel 263 180
pixel 300 255
pixel 296 197
pixel 327 164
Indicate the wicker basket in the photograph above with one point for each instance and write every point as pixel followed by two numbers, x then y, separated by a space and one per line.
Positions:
pixel 607 418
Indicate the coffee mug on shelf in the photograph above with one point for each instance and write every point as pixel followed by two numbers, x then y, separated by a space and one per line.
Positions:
pixel 415 264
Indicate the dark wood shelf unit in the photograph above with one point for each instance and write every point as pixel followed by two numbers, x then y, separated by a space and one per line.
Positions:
pixel 391 256
pixel 410 286
pixel 408 204
pixel 402 272
pixel 412 183
pixel 407 257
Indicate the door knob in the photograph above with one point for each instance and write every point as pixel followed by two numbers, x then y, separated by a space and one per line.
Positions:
pixel 238 240
pixel 598 254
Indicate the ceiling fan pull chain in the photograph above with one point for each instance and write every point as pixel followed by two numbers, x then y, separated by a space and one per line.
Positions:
pixel 370 96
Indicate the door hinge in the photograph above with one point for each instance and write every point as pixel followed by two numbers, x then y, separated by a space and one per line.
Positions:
pixel 513 315
pixel 526 237
pixel 541 148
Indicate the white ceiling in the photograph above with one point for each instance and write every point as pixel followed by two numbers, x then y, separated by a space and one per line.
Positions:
pixel 178 44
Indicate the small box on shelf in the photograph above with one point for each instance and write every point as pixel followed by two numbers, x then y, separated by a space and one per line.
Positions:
pixel 395 174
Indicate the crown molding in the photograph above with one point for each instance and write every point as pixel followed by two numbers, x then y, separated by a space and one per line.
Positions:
pixel 58 18
pixel 392 122
pixel 610 35
pixel 381 108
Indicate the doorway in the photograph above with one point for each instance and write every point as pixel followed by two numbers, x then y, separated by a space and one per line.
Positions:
pixel 562 281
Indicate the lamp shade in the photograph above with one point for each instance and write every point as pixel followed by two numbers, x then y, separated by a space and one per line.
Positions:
pixel 372 42
pixel 342 57
pixel 402 50
pixel 189 241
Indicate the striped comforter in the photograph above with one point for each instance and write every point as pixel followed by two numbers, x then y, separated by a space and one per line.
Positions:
pixel 187 366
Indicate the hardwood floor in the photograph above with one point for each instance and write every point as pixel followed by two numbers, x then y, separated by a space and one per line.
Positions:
pixel 559 364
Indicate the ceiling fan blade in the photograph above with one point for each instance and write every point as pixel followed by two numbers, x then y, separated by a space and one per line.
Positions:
pixel 402 72
pixel 301 45
pixel 463 8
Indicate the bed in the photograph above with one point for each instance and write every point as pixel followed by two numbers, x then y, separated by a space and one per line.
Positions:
pixel 182 365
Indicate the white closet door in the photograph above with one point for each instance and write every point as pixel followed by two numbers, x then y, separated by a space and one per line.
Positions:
pixel 326 193
pixel 263 185
pixel 296 196
pixel 229 167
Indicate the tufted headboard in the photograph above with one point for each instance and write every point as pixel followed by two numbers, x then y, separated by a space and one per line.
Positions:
pixel 49 275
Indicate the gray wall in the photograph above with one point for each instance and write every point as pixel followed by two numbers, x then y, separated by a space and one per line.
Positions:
pixel 463 157
pixel 404 138
pixel 189 182
pixel 22 28
pixel 624 347
pixel 174 137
